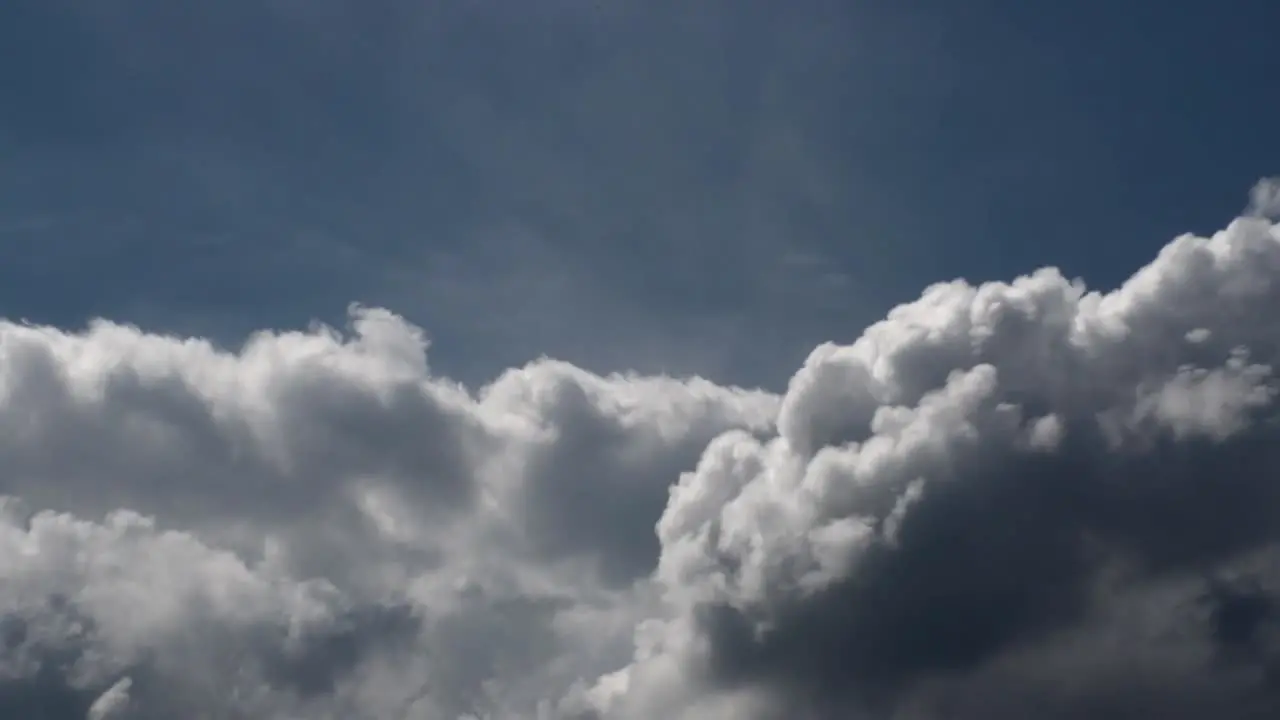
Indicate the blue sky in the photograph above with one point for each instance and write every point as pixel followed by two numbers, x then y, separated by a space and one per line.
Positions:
pixel 708 187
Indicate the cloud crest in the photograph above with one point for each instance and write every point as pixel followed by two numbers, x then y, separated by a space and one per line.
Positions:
pixel 999 499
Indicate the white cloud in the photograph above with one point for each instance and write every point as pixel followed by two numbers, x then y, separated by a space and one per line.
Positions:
pixel 1264 199
pixel 970 497
pixel 232 486
pixel 111 703
pixel 944 471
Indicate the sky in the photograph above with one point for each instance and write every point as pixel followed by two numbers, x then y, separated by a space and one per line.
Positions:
pixel 619 360
pixel 659 186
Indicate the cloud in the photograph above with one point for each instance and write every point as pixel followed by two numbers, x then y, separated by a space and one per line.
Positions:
pixel 1002 500
pixel 111 703
pixel 958 503
pixel 1264 200
pixel 320 524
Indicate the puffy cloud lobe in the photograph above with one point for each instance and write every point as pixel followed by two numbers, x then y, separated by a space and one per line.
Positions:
pixel 954 499
pixel 111 703
pixel 89 605
pixel 117 416
pixel 592 449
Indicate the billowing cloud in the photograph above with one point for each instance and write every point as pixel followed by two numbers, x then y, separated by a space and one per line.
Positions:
pixel 1001 501
pixel 185 507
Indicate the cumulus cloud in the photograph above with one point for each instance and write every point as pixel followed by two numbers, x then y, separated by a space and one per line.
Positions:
pixel 295 500
pixel 959 505
pixel 1004 500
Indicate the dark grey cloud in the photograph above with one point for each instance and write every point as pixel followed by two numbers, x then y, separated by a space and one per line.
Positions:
pixel 1000 558
pixel 38 674
pixel 312 664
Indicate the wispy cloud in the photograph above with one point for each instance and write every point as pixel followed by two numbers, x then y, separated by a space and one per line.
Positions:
pixel 1264 199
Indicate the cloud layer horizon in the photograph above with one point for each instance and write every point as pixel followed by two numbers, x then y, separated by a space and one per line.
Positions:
pixel 1006 500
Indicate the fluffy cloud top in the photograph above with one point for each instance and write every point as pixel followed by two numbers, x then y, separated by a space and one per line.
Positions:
pixel 1002 501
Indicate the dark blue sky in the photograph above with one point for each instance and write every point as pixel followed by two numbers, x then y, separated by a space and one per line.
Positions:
pixel 707 186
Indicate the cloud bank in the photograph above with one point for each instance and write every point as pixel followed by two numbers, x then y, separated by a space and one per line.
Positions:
pixel 1001 501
